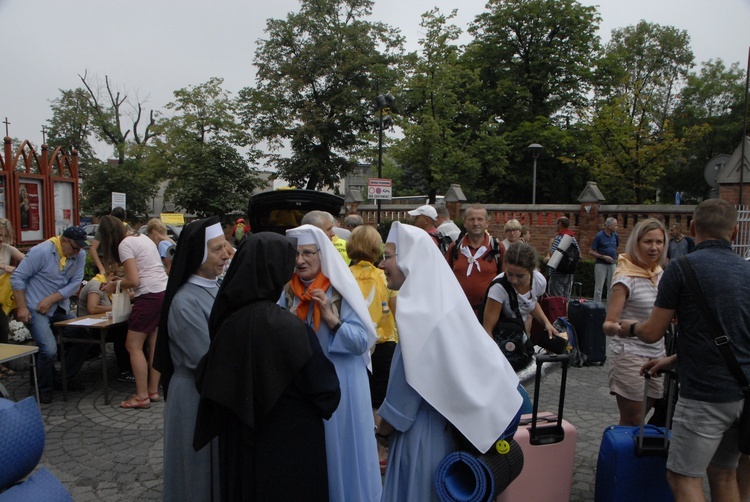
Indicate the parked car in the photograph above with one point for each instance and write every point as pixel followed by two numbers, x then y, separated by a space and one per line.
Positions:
pixel 91 230
pixel 279 210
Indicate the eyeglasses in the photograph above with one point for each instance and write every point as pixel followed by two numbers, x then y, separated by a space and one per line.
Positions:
pixel 306 254
pixel 72 244
pixel 387 256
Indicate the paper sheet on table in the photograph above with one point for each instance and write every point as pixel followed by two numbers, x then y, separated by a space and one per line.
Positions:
pixel 87 322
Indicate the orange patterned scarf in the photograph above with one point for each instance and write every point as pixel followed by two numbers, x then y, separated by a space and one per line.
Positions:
pixel 302 292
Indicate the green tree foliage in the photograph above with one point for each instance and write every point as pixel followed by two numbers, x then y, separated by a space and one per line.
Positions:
pixel 534 57
pixel 713 97
pixel 445 138
pixel 317 73
pixel 130 178
pixel 633 140
pixel 198 152
pixel 70 127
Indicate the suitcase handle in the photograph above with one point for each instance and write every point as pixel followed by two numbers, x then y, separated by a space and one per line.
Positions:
pixel 552 433
pixel 669 387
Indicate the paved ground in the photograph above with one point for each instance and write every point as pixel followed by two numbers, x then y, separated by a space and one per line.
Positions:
pixel 105 453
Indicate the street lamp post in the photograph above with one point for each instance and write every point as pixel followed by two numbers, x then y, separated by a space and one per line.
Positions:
pixel 536 149
pixel 383 103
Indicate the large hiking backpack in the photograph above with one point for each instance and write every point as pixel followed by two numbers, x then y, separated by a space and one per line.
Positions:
pixel 569 261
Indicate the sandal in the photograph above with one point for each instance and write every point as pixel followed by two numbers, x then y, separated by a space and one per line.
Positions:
pixel 5 371
pixel 155 397
pixel 134 402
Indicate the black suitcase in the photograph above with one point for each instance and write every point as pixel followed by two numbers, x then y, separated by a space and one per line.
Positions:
pixel 587 317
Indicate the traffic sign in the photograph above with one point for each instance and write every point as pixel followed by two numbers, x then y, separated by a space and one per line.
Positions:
pixel 379 188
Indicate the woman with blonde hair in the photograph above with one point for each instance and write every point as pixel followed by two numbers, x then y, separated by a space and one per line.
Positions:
pixel 634 287
pixel 157 232
pixel 513 231
pixel 8 255
pixel 364 246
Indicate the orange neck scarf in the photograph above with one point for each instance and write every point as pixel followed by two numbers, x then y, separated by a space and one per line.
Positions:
pixel 302 292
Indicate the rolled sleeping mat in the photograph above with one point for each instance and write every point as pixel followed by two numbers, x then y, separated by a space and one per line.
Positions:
pixel 463 477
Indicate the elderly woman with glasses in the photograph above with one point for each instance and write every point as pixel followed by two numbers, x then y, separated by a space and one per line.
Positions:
pixel 325 295
pixel 513 231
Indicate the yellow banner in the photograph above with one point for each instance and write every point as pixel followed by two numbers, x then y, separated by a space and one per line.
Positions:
pixel 172 218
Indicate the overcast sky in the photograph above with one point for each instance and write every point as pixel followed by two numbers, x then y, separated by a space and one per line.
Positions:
pixel 150 48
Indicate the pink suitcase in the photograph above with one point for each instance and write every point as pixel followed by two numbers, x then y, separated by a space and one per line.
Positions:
pixel 549 445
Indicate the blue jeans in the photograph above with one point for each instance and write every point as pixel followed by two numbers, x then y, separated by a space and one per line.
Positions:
pixel 41 330
pixel 603 273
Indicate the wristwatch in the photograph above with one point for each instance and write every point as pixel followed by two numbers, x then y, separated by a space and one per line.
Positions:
pixel 632 330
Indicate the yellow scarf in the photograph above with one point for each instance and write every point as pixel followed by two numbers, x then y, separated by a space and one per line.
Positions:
pixel 58 246
pixel 629 269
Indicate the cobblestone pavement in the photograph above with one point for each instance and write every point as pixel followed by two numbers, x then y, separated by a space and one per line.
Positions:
pixel 106 453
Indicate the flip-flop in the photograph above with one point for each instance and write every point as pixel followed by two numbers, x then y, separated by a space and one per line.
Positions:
pixel 155 397
pixel 7 371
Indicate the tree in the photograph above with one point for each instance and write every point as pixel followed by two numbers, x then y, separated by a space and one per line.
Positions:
pixel 108 120
pixel 445 140
pixel 633 140
pixel 317 73
pixel 70 126
pixel 712 98
pixel 198 152
pixel 533 57
pixel 130 178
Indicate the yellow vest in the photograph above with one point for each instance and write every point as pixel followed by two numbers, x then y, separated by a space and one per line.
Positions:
pixel 374 288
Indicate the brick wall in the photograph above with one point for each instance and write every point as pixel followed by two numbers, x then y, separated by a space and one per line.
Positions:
pixel 541 219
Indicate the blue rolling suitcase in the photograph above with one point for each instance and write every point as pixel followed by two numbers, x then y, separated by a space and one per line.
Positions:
pixel 587 317
pixel 632 463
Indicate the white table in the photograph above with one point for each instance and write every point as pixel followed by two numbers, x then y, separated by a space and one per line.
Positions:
pixel 10 351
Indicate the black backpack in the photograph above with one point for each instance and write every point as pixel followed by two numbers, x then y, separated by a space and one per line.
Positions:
pixel 569 261
pixel 443 242
pixel 510 332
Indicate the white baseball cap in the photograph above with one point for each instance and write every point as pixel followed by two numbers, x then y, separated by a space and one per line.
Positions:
pixel 426 210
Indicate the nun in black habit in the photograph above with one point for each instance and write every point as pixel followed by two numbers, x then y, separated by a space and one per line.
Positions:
pixel 265 384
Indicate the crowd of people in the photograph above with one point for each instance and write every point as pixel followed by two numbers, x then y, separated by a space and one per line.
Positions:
pixel 324 364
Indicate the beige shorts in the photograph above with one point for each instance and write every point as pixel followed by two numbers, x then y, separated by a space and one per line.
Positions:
pixel 625 379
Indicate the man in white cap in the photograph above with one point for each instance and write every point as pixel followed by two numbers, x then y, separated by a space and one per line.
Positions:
pixel 425 217
pixel 437 377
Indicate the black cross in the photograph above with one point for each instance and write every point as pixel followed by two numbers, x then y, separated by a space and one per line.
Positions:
pixel 44 135
pixel 6 126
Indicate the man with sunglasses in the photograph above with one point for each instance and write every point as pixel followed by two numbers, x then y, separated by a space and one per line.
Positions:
pixel 42 284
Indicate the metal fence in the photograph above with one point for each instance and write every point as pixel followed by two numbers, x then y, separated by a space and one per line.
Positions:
pixel 742 242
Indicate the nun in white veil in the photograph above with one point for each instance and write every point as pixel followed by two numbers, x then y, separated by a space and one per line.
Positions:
pixel 324 294
pixel 446 370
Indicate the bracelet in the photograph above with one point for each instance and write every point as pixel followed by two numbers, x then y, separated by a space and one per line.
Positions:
pixel 632 330
pixel 338 325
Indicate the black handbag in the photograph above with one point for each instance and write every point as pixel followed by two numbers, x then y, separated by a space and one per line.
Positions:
pixel 722 342
pixel 510 333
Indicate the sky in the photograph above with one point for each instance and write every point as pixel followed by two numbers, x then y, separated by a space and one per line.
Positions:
pixel 150 48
